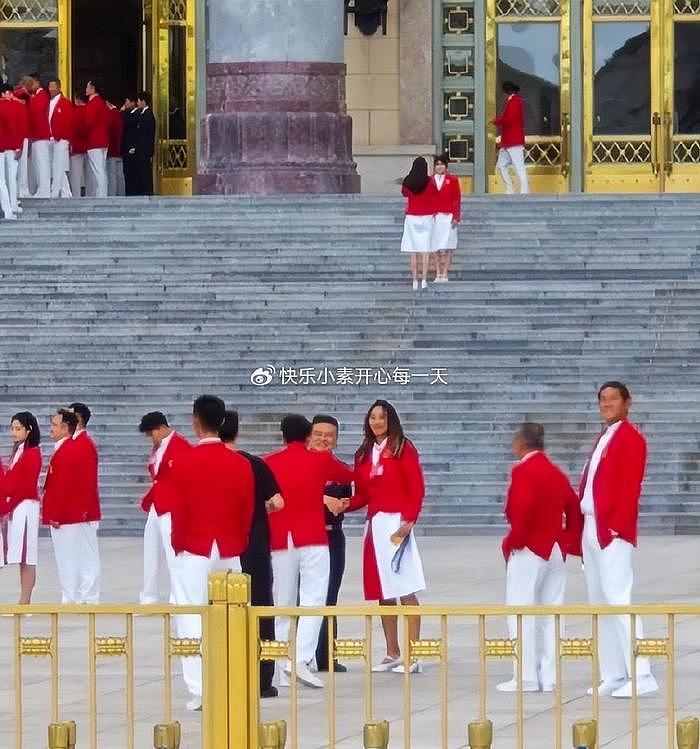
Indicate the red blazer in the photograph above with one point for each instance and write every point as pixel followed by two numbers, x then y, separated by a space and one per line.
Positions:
pixel 62 120
pixel 39 116
pixel 85 484
pixel 163 492
pixel 449 198
pixel 14 125
pixel 617 486
pixel 96 123
pixel 398 485
pixel 541 507
pixel 116 126
pixel 21 480
pixel 77 144
pixel 302 475
pixel 421 204
pixel 512 122
pixel 59 505
pixel 214 501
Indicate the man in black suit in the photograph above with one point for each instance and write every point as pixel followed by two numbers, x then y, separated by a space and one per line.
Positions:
pixel 130 113
pixel 144 144
pixel 324 436
pixel 255 561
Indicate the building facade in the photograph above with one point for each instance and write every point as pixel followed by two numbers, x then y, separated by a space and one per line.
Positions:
pixel 612 86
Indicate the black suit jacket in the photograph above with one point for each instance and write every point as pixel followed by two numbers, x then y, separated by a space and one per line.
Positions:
pixel 265 488
pixel 145 134
pixel 130 123
pixel 339 491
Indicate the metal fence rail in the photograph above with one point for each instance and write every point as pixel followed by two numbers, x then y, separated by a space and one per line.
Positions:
pixel 113 671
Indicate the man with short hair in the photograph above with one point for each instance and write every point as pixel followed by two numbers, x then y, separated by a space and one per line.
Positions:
pixel 78 148
pixel 511 147
pixel 39 135
pixel 130 120
pixel 10 151
pixel 64 511
pixel 610 488
pixel 97 141
pixel 211 519
pixel 168 449
pixel 255 560
pixel 144 145
pixel 324 436
pixel 540 508
pixel 115 168
pixel 86 489
pixel 61 125
pixel 298 537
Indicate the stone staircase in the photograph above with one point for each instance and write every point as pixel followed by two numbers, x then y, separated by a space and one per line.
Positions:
pixel 134 305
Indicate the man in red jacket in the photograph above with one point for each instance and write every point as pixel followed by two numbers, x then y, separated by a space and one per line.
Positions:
pixel 97 141
pixel 168 448
pixel 540 506
pixel 39 135
pixel 511 147
pixel 61 124
pixel 7 141
pixel 610 488
pixel 14 115
pixel 298 536
pixel 74 538
pixel 211 518
pixel 115 168
pixel 78 148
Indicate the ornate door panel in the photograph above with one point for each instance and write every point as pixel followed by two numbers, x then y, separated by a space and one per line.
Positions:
pixel 527 41
pixel 174 94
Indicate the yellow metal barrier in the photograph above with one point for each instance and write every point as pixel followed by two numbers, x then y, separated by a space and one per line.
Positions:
pixel 461 647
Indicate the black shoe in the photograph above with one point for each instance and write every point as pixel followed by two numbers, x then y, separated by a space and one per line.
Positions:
pixel 337 667
pixel 271 692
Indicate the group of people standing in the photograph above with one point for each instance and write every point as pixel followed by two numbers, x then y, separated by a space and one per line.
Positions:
pixel 53 147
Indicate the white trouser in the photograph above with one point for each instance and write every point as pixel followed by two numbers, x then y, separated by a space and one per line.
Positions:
pixel 533 581
pixel 157 546
pixel 60 166
pixel 23 172
pixel 303 573
pixel 609 578
pixel 77 555
pixel 5 200
pixel 514 155
pixel 41 166
pixel 97 173
pixel 10 165
pixel 115 176
pixel 190 588
pixel 77 174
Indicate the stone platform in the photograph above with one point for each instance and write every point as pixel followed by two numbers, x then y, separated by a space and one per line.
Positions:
pixel 459 570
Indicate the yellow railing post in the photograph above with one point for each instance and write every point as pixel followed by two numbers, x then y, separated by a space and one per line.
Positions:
pixel 58 736
pixel 585 734
pixel 688 733
pixel 480 734
pixel 376 735
pixel 281 733
pixel 268 736
pixel 72 734
pixel 240 693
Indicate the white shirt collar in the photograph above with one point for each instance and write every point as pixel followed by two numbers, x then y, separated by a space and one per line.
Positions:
pixel 58 443
pixel 17 455
pixel 208 441
pixel 527 456
pixel 78 432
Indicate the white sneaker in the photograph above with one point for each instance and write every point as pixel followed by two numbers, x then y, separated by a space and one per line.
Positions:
pixel 424 284
pixel 305 676
pixel 387 664
pixel 415 668
pixel 512 686
pixel 607 687
pixel 645 685
pixel 415 286
pixel 194 704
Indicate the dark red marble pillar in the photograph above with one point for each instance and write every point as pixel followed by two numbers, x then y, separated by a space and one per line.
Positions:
pixel 276 127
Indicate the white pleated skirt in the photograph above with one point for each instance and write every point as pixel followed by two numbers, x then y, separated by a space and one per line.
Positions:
pixel 444 234
pixel 409 578
pixel 417 234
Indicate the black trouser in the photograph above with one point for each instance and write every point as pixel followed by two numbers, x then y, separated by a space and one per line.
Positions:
pixel 336 548
pixel 130 174
pixel 144 174
pixel 258 565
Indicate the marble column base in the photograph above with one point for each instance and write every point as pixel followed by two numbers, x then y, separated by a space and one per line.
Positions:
pixel 276 128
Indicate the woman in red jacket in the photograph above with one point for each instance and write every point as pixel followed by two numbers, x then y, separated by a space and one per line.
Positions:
pixel 19 499
pixel 448 213
pixel 419 189
pixel 389 482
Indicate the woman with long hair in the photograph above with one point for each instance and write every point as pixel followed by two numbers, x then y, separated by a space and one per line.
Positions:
pixel 389 482
pixel 448 212
pixel 19 500
pixel 419 190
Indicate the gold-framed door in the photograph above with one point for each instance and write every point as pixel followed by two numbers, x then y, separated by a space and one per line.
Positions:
pixel 641 61
pixel 528 41
pixel 174 58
